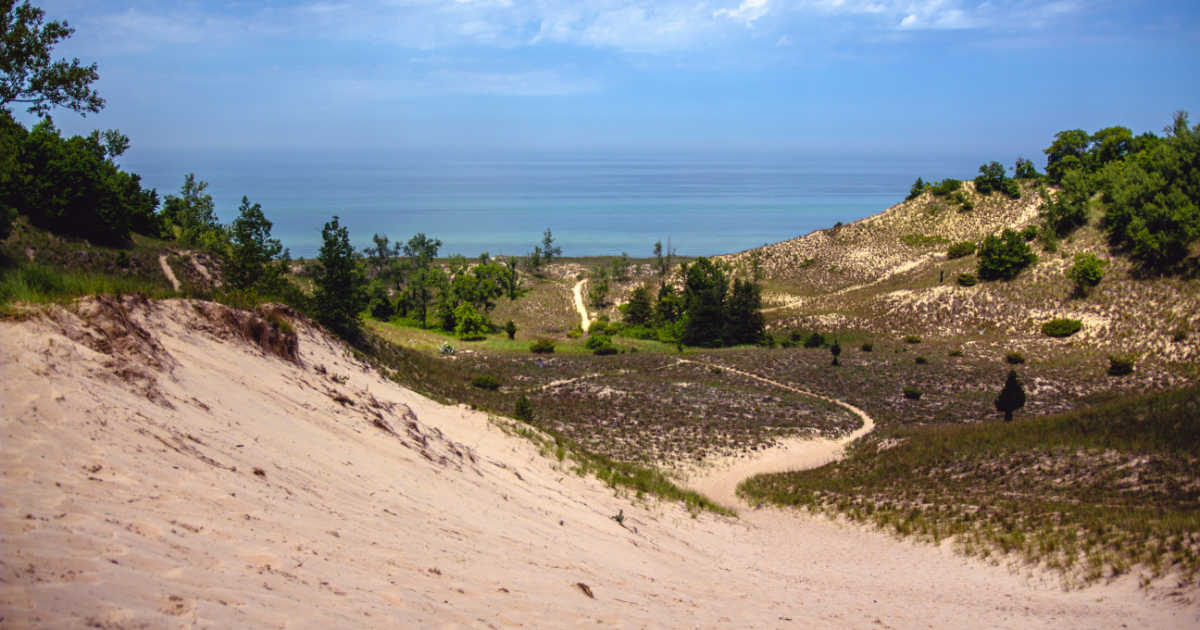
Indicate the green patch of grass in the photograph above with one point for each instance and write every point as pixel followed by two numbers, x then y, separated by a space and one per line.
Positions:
pixel 39 284
pixel 1091 493
pixel 922 240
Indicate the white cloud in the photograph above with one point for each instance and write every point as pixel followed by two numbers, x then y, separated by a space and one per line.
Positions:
pixel 748 11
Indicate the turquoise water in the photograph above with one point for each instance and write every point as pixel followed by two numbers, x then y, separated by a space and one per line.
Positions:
pixel 596 204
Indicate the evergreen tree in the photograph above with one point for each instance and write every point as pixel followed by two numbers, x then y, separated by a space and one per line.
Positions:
pixel 835 350
pixel 639 312
pixel 251 248
pixel 744 321
pixel 549 249
pixel 1012 397
pixel 918 187
pixel 704 291
pixel 341 288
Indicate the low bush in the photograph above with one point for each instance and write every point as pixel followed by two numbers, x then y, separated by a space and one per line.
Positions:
pixel 945 187
pixel 486 381
pixel 1061 327
pixel 523 409
pixel 1003 256
pixel 541 346
pixel 1014 358
pixel 867 347
pixel 955 353
pixel 912 339
pixel 814 340
pixel 921 360
pixel 960 249
pixel 912 393
pixel 967 280
pixel 601 345
pixel 1120 364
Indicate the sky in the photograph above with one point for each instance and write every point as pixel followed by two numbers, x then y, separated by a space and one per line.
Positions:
pixel 841 76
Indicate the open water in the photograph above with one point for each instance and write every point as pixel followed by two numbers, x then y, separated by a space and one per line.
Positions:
pixel 595 203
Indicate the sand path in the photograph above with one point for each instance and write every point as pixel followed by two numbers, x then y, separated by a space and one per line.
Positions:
pixel 719 478
pixel 231 489
pixel 168 272
pixel 584 321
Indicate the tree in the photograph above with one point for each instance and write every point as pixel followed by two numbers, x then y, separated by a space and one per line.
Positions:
pixel 669 306
pixel 835 350
pixel 918 187
pixel 191 214
pixel 598 288
pixel 510 328
pixel 549 249
pixel 27 73
pixel 743 317
pixel 469 324
pixel 341 292
pixel 251 247
pixel 639 311
pixel 1025 169
pixel 1086 273
pixel 704 289
pixel 1068 151
pixel 991 177
pixel 1003 256
pixel 1069 208
pixel 422 277
pixel 1012 396
pixel 523 409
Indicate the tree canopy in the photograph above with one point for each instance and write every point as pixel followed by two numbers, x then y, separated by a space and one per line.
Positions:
pixel 28 73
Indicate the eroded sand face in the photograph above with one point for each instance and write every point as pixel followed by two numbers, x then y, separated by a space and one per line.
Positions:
pixel 129 498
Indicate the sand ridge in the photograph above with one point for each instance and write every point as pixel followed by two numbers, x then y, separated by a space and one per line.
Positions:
pixel 257 492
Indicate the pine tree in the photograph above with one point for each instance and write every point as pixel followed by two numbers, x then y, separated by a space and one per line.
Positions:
pixel 835 350
pixel 1012 397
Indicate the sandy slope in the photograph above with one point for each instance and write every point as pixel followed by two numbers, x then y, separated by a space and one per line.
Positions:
pixel 129 499
pixel 585 322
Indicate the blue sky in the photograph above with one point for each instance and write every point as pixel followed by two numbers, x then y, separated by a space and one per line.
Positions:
pixel 926 76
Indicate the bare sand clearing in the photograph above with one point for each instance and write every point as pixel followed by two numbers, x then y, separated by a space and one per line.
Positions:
pixel 159 473
pixel 585 322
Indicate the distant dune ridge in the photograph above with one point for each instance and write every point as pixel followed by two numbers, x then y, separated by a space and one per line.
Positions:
pixel 179 464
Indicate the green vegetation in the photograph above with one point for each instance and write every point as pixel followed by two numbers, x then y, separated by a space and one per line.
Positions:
pixel 945 187
pixel 1086 273
pixel 486 381
pixel 922 240
pixel 917 189
pixel 992 179
pixel 30 77
pixel 966 279
pixel 1012 395
pixel 1121 364
pixel 1003 256
pixel 541 346
pixel 911 392
pixel 960 249
pixel 341 288
pixel 1091 493
pixel 1013 357
pixel 1061 327
pixel 37 284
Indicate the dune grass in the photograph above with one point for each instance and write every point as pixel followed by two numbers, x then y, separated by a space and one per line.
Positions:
pixel 1092 494
pixel 32 283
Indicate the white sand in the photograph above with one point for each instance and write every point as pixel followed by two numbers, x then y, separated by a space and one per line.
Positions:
pixel 119 512
pixel 585 322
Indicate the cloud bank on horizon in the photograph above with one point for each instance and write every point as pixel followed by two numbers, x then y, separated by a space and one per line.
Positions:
pixel 857 74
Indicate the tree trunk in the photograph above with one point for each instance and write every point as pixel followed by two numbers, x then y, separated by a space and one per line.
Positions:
pixel 1008 416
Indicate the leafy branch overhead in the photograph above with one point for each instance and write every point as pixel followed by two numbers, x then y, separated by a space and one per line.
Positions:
pixel 29 75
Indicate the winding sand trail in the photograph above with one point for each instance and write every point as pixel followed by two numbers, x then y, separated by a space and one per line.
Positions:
pixel 168 272
pixel 584 321
pixel 719 479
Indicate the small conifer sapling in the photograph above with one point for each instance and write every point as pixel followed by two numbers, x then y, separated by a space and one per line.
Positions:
pixel 1012 397
pixel 835 350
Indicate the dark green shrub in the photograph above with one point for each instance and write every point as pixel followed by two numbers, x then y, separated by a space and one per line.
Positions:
pixel 945 187
pixel 814 340
pixel 921 361
pixel 1120 364
pixel 967 279
pixel 867 347
pixel 1012 189
pixel 918 187
pixel 523 409
pixel 912 393
pixel 1062 327
pixel 510 329
pixel 541 346
pixel 1003 256
pixel 955 353
pixel 912 339
pixel 1029 233
pixel 1086 273
pixel 1014 358
pixel 486 381
pixel 1179 334
pixel 960 249
pixel 600 344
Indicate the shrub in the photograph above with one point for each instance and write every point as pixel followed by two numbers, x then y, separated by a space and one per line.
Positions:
pixel 921 360
pixel 486 381
pixel 960 249
pixel 1012 396
pixel 867 347
pixel 1180 334
pixel 945 187
pixel 814 340
pixel 510 329
pixel 1120 364
pixel 1062 327
pixel 922 240
pixel 469 324
pixel 523 409
pixel 1014 358
pixel 912 393
pixel 1003 256
pixel 918 187
pixel 541 346
pixel 1030 232
pixel 1012 189
pixel 446 349
pixel 1086 273
pixel 955 353
pixel 912 339
pixel 600 344
pixel 967 279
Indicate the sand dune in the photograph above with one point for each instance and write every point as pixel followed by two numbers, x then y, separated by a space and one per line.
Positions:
pixel 160 471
